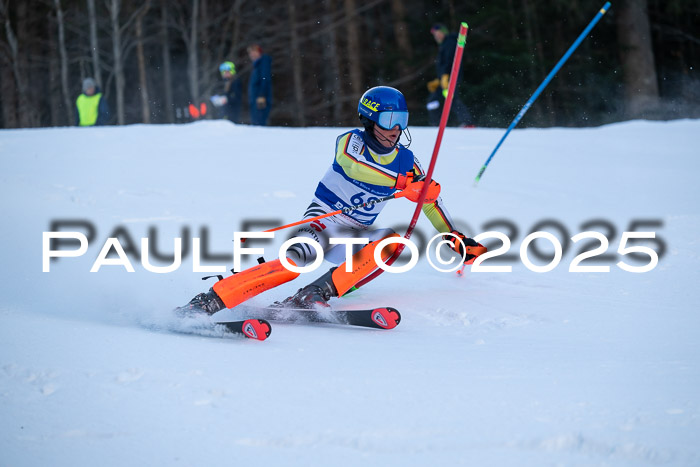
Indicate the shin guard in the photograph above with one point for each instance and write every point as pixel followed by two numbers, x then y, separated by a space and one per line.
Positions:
pixel 238 288
pixel 363 264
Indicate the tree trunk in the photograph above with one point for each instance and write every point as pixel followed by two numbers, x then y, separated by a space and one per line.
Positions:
pixel 332 58
pixel 21 105
pixel 192 54
pixel 403 40
pixel 537 68
pixel 637 58
pixel 94 45
pixel 206 80
pixel 167 73
pixel 27 39
pixel 236 30
pixel 143 83
pixel 8 95
pixel 453 15
pixel 354 56
pixel 296 64
pixel 513 20
pixel 118 65
pixel 67 100
pixel 54 77
pixel 8 75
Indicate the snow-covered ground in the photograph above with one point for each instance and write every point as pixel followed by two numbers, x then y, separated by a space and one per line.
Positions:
pixel 513 368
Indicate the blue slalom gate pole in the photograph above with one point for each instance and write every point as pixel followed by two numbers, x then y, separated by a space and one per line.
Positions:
pixel 544 84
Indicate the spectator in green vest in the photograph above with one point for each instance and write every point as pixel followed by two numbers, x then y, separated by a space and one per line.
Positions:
pixel 92 108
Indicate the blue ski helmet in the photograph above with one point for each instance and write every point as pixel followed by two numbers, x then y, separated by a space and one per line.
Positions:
pixel 384 106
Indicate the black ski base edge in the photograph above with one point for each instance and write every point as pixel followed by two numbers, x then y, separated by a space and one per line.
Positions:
pixel 377 318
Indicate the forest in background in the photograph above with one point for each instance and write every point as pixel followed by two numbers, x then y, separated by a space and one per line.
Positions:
pixel 152 58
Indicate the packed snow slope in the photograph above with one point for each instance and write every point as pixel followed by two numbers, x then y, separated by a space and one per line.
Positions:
pixel 493 368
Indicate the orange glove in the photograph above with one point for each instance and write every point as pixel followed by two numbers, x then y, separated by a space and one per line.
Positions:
pixel 412 188
pixel 466 247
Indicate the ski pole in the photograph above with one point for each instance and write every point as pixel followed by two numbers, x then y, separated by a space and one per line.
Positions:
pixel 347 210
pixel 544 84
pixel 456 62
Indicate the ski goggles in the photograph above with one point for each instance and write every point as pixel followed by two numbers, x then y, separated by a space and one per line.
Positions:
pixel 388 119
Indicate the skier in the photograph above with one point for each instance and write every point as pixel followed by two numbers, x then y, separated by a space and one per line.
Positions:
pixel 230 101
pixel 368 163
pixel 259 86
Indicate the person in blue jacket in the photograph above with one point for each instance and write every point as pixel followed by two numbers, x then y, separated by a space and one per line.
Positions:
pixel 259 86
pixel 91 106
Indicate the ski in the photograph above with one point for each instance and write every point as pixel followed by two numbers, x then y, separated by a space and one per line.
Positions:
pixel 257 328
pixel 377 318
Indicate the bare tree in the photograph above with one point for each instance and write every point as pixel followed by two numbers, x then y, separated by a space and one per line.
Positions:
pixel 67 101
pixel 208 38
pixel 637 57
pixel 114 8
pixel 167 74
pixel 235 19
pixel 403 40
pixel 94 44
pixel 186 23
pixel 199 22
pixel 537 68
pixel 193 53
pixel 18 65
pixel 296 64
pixel 143 83
pixel 9 74
pixel 29 46
pixel 330 46
pixel 121 43
pixel 453 14
pixel 331 57
pixel 55 107
pixel 354 57
pixel 8 97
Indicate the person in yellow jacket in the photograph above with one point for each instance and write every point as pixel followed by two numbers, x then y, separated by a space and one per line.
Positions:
pixel 439 86
pixel 91 106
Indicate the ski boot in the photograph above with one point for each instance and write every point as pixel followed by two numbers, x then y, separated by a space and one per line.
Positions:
pixel 236 289
pixel 203 303
pixel 313 296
